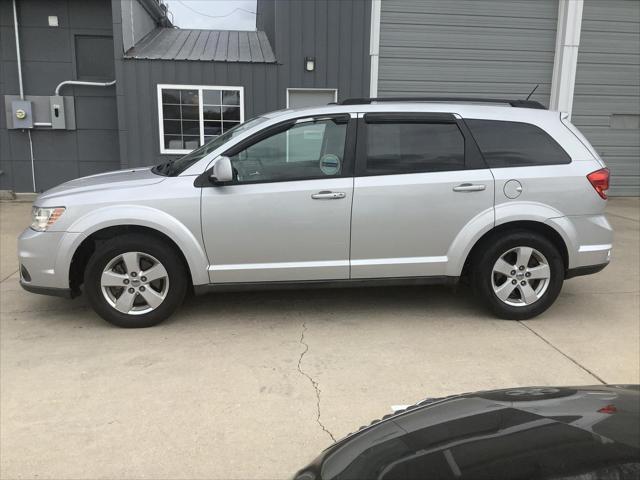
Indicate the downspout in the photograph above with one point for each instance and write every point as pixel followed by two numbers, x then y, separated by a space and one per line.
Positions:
pixel 20 84
pixel 374 47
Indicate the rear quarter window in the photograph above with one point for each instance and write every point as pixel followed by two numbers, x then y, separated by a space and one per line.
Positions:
pixel 516 144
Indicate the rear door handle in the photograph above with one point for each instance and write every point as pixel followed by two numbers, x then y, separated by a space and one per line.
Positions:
pixel 327 195
pixel 469 187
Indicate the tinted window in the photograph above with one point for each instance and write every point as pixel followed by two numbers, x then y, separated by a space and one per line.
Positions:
pixel 513 144
pixel 395 148
pixel 304 151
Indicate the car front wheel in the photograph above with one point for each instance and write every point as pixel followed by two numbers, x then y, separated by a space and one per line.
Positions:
pixel 135 281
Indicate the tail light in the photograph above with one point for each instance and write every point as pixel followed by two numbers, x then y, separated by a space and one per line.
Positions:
pixel 600 181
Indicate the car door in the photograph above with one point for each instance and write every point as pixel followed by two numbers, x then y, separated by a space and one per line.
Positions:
pixel 286 215
pixel 419 181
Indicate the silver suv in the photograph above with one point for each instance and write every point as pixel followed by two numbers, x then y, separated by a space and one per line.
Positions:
pixel 368 192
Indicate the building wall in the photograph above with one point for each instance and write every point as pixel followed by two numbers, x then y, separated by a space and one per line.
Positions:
pixel 48 58
pixel 136 23
pixel 487 48
pixel 334 32
pixel 606 104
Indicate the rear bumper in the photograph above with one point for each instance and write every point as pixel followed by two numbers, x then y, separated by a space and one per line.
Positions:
pixel 588 270
pixel 589 240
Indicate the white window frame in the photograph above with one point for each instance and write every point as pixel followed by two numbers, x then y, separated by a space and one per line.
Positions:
pixel 199 88
pixel 333 90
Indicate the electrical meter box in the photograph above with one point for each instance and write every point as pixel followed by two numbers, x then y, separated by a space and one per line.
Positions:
pixel 40 112
pixel 21 114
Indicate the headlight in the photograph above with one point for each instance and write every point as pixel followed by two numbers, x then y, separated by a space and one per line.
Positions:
pixel 43 218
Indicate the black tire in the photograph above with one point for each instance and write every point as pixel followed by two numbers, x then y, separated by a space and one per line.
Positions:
pixel 488 254
pixel 108 250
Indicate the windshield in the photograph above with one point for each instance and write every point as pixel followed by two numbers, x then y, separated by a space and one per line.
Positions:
pixel 176 166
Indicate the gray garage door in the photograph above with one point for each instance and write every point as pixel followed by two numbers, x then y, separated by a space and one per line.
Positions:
pixel 467 47
pixel 606 104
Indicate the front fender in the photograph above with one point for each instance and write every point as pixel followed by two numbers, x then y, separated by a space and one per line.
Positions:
pixel 144 216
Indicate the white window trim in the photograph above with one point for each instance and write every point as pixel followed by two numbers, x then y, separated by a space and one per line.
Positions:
pixel 200 88
pixel 334 90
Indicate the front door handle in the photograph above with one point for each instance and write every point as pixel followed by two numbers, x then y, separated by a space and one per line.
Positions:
pixel 327 195
pixel 469 187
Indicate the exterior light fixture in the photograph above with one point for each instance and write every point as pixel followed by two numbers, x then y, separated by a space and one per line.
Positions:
pixel 309 64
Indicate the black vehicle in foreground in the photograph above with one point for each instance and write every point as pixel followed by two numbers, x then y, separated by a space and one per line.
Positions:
pixel 578 433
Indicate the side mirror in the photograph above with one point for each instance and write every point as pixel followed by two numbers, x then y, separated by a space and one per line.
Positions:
pixel 222 171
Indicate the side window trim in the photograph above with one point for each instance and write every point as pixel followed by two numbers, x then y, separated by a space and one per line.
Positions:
pixel 349 149
pixel 473 158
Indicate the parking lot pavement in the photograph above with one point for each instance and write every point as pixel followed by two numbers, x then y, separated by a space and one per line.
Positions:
pixel 225 389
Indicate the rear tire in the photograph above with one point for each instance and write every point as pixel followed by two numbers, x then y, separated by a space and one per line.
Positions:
pixel 120 292
pixel 518 274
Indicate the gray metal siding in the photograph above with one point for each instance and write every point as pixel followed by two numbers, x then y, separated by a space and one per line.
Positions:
pixel 48 55
pixel 480 48
pixel 607 83
pixel 335 32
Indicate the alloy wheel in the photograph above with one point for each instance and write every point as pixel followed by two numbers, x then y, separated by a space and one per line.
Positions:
pixel 520 276
pixel 134 283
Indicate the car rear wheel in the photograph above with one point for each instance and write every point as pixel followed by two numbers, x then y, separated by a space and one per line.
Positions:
pixel 135 281
pixel 519 275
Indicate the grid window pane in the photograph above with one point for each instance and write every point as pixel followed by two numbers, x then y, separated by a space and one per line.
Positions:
pixel 172 127
pixel 211 97
pixel 231 113
pixel 191 142
pixel 228 126
pixel 190 112
pixel 171 112
pixel 191 128
pixel 173 142
pixel 210 112
pixel 171 96
pixel 189 97
pixel 212 128
pixel 231 97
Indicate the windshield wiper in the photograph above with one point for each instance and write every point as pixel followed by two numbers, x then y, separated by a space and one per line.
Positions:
pixel 163 168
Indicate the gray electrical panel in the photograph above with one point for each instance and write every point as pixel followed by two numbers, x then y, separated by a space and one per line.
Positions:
pixel 40 112
pixel 56 103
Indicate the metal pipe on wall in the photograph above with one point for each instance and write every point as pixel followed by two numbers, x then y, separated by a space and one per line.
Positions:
pixel 80 82
pixel 21 86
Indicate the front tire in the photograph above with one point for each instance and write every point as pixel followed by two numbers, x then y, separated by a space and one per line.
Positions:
pixel 135 281
pixel 518 275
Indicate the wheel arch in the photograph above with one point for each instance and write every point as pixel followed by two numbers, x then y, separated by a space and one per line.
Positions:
pixel 541 228
pixel 116 220
pixel 88 245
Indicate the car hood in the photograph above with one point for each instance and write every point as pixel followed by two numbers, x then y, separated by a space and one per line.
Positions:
pixel 111 181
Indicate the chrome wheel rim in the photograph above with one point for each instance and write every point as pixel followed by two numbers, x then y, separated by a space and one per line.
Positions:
pixel 520 276
pixel 134 283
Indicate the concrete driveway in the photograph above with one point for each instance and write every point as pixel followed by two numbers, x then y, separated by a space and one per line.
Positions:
pixel 253 385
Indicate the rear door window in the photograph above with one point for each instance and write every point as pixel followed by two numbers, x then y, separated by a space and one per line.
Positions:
pixel 515 144
pixel 412 146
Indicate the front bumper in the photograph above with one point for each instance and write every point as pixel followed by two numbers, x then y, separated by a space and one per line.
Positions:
pixel 45 258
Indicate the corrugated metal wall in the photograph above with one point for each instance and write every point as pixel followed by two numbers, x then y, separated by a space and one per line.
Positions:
pixel 48 58
pixel 608 86
pixel 467 47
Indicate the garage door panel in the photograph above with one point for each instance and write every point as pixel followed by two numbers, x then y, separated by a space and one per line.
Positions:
pixel 608 83
pixel 486 48
pixel 493 8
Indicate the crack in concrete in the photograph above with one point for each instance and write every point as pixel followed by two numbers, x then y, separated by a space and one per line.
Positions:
pixel 9 276
pixel 575 362
pixel 315 384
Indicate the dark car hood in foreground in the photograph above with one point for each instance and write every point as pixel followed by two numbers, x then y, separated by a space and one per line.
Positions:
pixel 521 433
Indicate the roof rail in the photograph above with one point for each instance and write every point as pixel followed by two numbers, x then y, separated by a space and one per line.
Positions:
pixel 513 103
